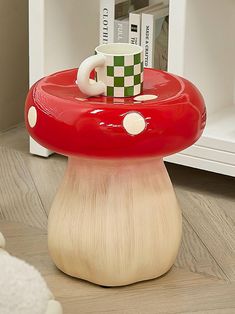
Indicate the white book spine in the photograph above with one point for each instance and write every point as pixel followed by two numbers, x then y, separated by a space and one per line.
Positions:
pixel 107 14
pixel 134 28
pixel 121 31
pixel 147 39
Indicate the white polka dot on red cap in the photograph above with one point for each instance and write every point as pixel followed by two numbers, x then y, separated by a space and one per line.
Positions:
pixel 134 123
pixel 32 116
pixel 145 97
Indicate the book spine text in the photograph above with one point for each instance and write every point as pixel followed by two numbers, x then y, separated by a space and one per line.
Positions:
pixel 107 12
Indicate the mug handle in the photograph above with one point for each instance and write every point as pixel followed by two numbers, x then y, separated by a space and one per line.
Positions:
pixel 83 76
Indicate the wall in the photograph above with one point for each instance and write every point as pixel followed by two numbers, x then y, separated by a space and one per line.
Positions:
pixel 13 61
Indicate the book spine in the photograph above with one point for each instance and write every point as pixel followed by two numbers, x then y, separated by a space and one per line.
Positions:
pixel 134 28
pixel 147 39
pixel 121 31
pixel 107 13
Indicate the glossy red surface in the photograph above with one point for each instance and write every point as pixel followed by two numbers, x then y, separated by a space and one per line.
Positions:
pixel 70 123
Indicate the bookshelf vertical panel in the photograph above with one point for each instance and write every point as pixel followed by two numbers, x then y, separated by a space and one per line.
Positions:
pixel 36 57
pixel 177 16
pixel 61 34
pixel 202 48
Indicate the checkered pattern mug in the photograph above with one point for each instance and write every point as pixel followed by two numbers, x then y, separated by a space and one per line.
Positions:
pixel 119 71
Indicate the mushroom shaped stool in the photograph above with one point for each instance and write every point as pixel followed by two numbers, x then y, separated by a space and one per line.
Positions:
pixel 115 219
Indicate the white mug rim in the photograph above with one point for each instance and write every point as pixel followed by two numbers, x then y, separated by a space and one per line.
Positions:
pixel 137 49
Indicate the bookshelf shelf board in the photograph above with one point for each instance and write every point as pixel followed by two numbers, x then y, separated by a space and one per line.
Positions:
pixel 215 151
pixel 202 163
pixel 220 130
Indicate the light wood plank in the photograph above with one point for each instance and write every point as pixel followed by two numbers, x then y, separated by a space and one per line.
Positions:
pixel 179 291
pixel 19 200
pixel 16 138
pixel 220 311
pixel 194 255
pixel 201 195
pixel 218 187
pixel 214 228
pixel 47 175
pixel 46 172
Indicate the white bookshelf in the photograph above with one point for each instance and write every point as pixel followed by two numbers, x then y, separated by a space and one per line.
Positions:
pixel 201 48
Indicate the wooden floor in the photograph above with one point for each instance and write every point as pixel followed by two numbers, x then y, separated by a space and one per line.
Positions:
pixel 203 277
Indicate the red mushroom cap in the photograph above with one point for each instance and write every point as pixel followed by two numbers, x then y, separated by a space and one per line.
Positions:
pixel 61 118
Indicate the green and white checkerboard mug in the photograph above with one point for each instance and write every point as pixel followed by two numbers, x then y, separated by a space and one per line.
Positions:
pixel 119 71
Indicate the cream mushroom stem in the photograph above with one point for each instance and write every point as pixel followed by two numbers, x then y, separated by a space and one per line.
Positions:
pixel 54 307
pixel 2 241
pixel 115 222
pixel 2 244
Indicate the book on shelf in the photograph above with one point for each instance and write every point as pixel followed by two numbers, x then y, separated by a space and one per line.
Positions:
pixel 154 35
pixel 135 23
pixel 121 27
pixel 107 8
pixel 111 13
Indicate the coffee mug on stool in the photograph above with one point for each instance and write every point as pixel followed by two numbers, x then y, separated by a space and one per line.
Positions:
pixel 119 71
